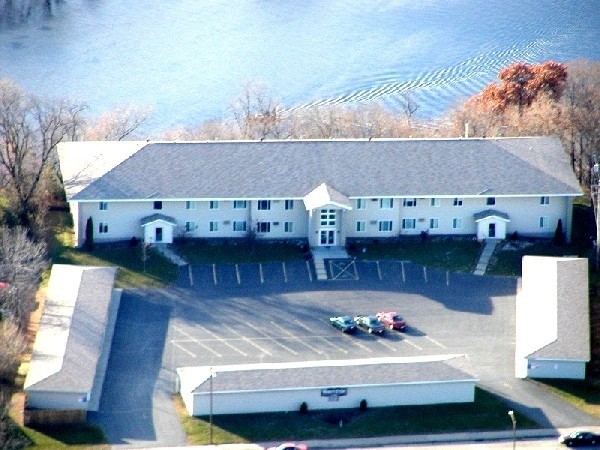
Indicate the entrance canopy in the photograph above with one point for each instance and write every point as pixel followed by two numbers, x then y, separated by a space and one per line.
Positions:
pixel 491 224
pixel 324 195
pixel 158 228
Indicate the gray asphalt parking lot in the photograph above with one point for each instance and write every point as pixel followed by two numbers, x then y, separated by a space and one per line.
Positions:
pixel 280 312
pixel 230 314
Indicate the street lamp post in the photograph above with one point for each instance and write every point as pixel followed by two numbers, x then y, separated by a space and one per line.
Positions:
pixel 514 427
pixel 211 407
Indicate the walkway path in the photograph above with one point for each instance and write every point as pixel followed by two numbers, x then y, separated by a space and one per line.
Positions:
pixel 486 254
pixel 320 254
pixel 165 250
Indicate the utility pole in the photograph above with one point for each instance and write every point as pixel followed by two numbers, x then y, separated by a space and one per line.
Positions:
pixel 595 194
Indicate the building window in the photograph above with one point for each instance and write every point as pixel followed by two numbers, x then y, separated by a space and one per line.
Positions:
pixel 490 201
pixel 213 225
pixel 263 227
pixel 361 225
pixel 409 202
pixel 239 204
pixel 434 224
pixel 385 225
pixel 102 228
pixel 386 203
pixel 190 204
pixel 289 204
pixel 458 201
pixel 407 224
pixel 157 204
pixel 361 203
pixel 190 226
pixel 327 217
pixel 435 202
pixel 213 204
pixel 288 227
pixel 103 206
pixel 457 224
pixel 264 205
pixel 545 200
pixel 239 225
pixel 544 222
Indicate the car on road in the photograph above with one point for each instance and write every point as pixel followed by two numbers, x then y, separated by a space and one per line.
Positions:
pixel 289 446
pixel 343 323
pixel 392 320
pixel 577 438
pixel 370 324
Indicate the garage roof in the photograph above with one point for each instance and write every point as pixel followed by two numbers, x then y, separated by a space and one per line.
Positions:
pixel 569 337
pixel 72 328
pixel 328 373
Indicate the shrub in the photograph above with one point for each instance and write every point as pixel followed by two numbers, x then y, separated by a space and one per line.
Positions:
pixel 303 408
pixel 559 236
pixel 363 405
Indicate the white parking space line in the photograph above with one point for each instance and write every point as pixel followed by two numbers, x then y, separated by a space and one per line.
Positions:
pixel 409 342
pixel 326 339
pixel 193 355
pixel 258 330
pixel 193 339
pixel 385 344
pixel 352 339
pixel 250 341
pixel 293 336
pixel 220 339
pixel 436 342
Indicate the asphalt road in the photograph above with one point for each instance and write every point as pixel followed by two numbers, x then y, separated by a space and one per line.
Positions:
pixel 227 314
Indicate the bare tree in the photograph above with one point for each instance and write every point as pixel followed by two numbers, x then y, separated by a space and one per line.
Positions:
pixel 257 114
pixel 21 264
pixel 116 125
pixel 30 130
pixel 13 345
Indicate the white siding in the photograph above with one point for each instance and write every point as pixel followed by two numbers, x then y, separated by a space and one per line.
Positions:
pixel 123 218
pixel 57 400
pixel 548 368
pixel 290 400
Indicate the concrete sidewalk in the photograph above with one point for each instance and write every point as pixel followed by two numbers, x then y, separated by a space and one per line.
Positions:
pixel 382 441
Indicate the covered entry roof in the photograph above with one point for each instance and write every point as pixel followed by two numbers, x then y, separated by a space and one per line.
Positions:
pixel 324 195
pixel 491 213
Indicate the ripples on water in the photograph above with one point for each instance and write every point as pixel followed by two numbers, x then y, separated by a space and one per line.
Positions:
pixel 189 59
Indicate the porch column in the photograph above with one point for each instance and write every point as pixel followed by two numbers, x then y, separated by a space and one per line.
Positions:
pixel 310 228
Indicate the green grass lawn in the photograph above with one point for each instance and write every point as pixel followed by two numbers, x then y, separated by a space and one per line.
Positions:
pixel 506 260
pixel 204 252
pixel 487 413
pixel 583 394
pixel 441 253
pixel 82 436
pixel 155 271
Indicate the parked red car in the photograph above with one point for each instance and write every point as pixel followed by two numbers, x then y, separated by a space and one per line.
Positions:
pixel 392 320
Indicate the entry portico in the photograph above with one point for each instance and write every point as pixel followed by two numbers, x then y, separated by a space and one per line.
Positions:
pixel 491 224
pixel 325 206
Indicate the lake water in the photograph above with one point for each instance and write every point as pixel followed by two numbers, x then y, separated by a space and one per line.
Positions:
pixel 189 58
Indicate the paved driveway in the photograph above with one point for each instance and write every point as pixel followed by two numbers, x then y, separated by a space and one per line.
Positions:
pixel 227 314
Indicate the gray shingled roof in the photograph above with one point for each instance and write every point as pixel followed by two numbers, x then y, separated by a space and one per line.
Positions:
pixel 154 217
pixel 86 321
pixel 573 340
pixel 357 168
pixel 490 213
pixel 380 373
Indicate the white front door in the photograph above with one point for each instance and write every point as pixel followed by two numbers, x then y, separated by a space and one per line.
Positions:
pixel 327 237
